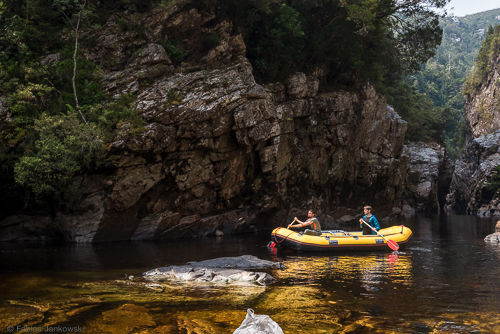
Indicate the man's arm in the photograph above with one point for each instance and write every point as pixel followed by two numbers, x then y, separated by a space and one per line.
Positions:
pixel 296 225
pixel 361 221
pixel 307 222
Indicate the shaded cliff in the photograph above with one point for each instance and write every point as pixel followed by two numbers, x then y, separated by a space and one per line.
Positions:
pixel 475 187
pixel 220 152
pixel 482 88
pixel 428 177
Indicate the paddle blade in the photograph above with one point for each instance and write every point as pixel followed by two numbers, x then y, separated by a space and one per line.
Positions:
pixel 393 245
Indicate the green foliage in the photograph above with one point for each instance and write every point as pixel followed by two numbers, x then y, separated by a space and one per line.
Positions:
pixel 485 60
pixel 442 77
pixel 175 51
pixel 174 96
pixel 425 122
pixel 346 41
pixel 494 181
pixel 88 81
pixel 64 147
pixel 44 146
pixel 108 116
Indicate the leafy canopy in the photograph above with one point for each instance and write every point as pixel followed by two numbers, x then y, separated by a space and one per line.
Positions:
pixel 347 41
pixel 64 146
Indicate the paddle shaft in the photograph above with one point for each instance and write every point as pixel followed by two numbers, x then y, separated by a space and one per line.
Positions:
pixel 391 243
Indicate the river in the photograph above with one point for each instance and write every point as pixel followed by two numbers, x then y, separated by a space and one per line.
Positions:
pixel 446 280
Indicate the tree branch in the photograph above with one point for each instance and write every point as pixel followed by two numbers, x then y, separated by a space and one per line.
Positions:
pixel 77 30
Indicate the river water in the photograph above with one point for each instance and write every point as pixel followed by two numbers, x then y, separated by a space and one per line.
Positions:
pixel 446 280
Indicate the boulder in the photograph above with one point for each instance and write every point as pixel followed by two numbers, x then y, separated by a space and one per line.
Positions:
pixel 493 238
pixel 227 270
pixel 240 262
pixel 206 275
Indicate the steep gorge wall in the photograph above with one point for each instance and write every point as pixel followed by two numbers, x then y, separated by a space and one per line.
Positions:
pixel 483 105
pixel 220 152
pixel 474 188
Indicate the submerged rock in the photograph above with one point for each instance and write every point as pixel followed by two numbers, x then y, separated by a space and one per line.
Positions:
pixel 225 270
pixel 256 323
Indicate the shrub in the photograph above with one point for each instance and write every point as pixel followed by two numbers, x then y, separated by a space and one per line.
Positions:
pixel 64 147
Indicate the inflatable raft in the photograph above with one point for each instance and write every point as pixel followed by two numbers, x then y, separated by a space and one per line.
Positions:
pixel 335 240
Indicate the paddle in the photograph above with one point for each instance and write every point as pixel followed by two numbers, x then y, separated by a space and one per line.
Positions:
pixel 392 244
pixel 291 224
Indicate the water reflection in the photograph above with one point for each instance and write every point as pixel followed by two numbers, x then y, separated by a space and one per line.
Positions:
pixel 371 269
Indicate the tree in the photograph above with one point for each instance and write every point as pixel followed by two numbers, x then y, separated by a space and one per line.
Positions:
pixel 77 8
pixel 64 147
pixel 348 41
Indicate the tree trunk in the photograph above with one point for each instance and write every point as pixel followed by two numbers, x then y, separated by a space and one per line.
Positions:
pixel 77 30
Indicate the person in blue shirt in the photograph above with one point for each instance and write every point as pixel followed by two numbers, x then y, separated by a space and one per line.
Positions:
pixel 370 219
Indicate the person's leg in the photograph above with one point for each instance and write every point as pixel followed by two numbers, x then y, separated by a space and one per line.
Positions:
pixel 312 232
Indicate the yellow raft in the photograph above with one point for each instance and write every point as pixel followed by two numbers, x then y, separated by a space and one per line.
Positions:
pixel 335 240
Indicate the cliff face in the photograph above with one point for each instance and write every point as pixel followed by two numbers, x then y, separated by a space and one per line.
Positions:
pixel 470 190
pixel 221 152
pixel 473 189
pixel 482 107
pixel 428 178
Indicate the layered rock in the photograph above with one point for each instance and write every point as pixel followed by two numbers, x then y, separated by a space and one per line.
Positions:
pixel 471 189
pixel 427 178
pixel 475 184
pixel 221 153
pixel 482 108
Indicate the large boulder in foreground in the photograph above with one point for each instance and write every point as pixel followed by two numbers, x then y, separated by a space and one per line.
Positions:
pixel 226 270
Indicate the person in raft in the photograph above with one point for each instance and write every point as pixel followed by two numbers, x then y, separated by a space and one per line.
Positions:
pixel 311 221
pixel 370 219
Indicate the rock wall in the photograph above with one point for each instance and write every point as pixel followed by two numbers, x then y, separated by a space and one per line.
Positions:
pixel 470 190
pixel 428 178
pixel 474 187
pixel 221 153
pixel 482 108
